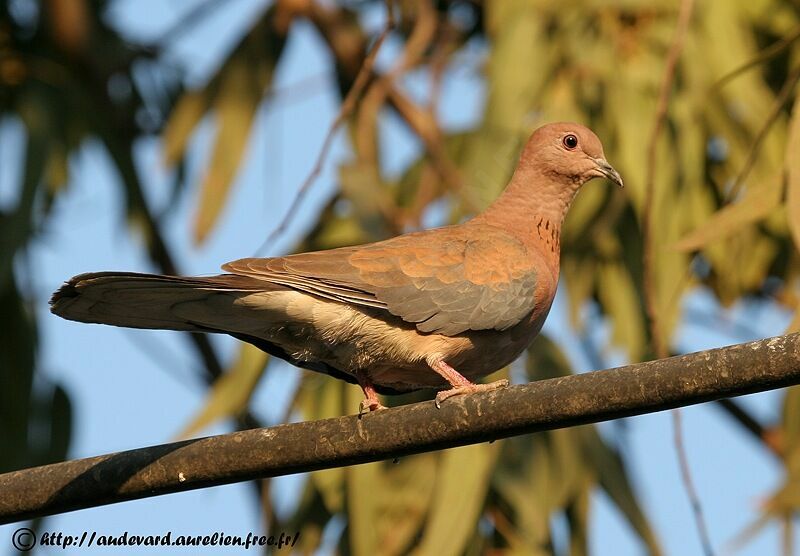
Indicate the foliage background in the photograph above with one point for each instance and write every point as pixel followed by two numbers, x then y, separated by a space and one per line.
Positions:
pixel 133 143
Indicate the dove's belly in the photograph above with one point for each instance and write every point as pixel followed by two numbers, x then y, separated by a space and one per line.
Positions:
pixel 474 354
pixel 391 352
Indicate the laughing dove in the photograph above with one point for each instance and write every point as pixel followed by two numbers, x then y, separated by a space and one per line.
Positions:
pixel 431 309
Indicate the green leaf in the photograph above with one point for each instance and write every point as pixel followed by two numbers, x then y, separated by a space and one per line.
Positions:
pixel 523 479
pixel 60 412
pixel 17 360
pixel 579 274
pixel 462 481
pixel 792 161
pixel 518 40
pixel 309 519
pixel 17 226
pixel 613 478
pixel 790 421
pixel 370 198
pixel 578 518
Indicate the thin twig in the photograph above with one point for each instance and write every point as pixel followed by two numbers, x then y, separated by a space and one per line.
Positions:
pixel 424 125
pixel 782 98
pixel 365 128
pixel 657 338
pixel 686 474
pixel 348 105
pixel 768 53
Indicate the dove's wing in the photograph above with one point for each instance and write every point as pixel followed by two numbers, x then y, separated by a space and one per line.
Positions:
pixel 445 280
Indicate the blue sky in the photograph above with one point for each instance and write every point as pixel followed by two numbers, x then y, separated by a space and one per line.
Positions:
pixel 137 388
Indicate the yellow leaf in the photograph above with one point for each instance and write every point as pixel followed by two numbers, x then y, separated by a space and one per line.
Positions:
pixel 235 108
pixel 188 112
pixel 231 392
pixel 387 501
pixel 794 326
pixel 620 299
pixel 322 398
pixel 756 205
pixel 233 94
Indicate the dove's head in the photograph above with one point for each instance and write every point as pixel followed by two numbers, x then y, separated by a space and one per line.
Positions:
pixel 568 153
pixel 557 160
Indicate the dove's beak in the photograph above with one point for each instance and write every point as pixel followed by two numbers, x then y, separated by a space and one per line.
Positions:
pixel 607 171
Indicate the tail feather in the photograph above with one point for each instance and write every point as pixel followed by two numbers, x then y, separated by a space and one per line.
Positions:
pixel 144 300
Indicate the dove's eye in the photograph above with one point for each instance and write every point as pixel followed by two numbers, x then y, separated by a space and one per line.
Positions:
pixel 570 141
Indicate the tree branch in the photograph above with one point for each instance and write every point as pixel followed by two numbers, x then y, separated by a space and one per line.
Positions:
pixel 391 433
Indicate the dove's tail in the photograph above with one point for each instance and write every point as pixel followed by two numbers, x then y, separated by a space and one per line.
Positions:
pixel 153 301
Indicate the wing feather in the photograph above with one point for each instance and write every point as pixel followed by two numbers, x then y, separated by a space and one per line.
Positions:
pixel 447 280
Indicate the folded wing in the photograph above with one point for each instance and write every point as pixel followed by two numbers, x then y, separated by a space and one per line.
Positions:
pixel 445 280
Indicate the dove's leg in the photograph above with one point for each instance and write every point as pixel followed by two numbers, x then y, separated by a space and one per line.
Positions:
pixel 460 383
pixel 370 401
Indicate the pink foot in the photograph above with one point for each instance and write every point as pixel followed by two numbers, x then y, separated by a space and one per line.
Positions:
pixel 460 384
pixel 371 401
pixel 468 389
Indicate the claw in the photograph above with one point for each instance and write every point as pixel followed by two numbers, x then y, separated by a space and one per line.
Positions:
pixel 367 405
pixel 468 389
pixel 370 401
